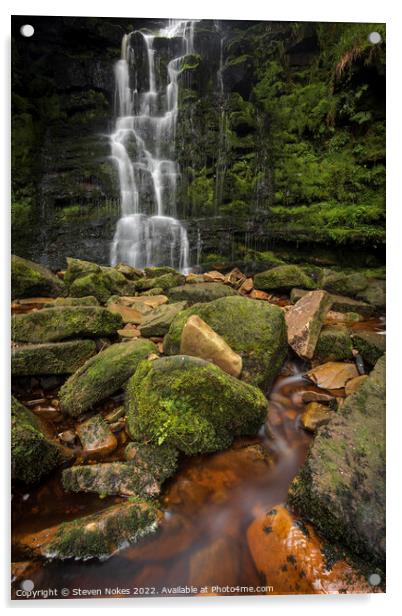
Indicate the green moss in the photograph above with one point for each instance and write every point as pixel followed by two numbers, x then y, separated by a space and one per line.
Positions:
pixel 51 358
pixel 200 292
pixel 30 279
pixel 191 405
pixel 165 281
pixel 102 375
pixel 370 345
pixel 283 277
pixel 261 343
pixel 64 323
pixel 334 344
pixel 102 534
pixel 33 455
pixel 341 487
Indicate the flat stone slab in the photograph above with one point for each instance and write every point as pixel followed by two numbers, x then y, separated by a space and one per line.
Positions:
pixel 51 357
pixel 332 375
pixel 200 340
pixel 64 323
pixel 99 535
pixel 340 303
pixel 157 323
pixel 304 321
pixel 201 292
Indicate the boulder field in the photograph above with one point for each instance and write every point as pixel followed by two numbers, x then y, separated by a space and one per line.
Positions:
pixel 145 368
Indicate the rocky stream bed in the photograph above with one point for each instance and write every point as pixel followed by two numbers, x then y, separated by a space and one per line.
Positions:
pixel 212 430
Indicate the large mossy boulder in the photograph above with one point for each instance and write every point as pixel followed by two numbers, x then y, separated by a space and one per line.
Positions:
pixel 201 292
pixel 374 294
pixel 254 330
pixel 191 405
pixel 51 357
pixel 341 487
pixel 102 375
pixel 84 278
pixel 164 281
pixel 33 454
pixel 99 535
pixel 343 283
pixel 284 278
pixel 64 323
pixel 30 279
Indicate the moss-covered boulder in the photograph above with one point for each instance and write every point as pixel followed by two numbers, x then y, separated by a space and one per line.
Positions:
pixel 144 472
pixel 160 270
pixel 64 323
pixel 102 375
pixel 164 281
pixel 191 404
pixel 341 487
pixel 29 279
pixel 371 345
pixel 334 344
pixel 254 330
pixel 92 284
pixel 201 292
pixel 374 294
pixel 87 300
pixel 157 322
pixel 343 283
pixel 51 357
pixel 84 278
pixel 283 278
pixel 33 454
pixel 129 272
pixel 98 535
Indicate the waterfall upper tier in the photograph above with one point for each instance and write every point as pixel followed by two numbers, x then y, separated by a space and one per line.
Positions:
pixel 143 148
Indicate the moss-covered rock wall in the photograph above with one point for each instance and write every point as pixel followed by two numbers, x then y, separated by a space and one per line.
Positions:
pixel 280 136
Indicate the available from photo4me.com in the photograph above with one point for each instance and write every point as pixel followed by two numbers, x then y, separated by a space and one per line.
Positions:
pixel 198 308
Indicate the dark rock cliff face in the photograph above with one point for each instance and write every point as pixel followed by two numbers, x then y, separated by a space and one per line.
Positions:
pixel 280 136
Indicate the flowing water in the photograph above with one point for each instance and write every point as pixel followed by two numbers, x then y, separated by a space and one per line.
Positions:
pixel 143 147
pixel 214 507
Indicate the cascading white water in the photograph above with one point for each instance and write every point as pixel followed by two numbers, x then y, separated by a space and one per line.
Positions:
pixel 143 146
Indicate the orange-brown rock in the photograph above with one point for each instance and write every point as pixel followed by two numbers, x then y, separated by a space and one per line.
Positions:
pixel 288 555
pixel 214 276
pixel 314 416
pixel 96 437
pixel 149 300
pixel 247 286
pixel 333 374
pixel 129 315
pixel 304 321
pixel 130 331
pixel 354 384
pixel 256 294
pixel 316 396
pixel 235 277
pixel 200 340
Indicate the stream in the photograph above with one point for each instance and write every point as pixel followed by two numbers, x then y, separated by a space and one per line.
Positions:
pixel 208 507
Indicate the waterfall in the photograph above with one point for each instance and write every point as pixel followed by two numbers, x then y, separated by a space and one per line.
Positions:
pixel 143 148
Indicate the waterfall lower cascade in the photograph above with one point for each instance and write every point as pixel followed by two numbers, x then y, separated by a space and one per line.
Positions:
pixel 143 147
